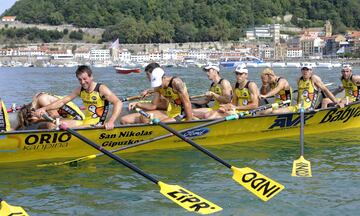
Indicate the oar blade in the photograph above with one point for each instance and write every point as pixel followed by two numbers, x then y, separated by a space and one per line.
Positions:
pixel 187 199
pixel 6 209
pixel 70 162
pixel 301 168
pixel 258 184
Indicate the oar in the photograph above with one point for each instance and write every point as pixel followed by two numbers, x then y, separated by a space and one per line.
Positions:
pixel 7 210
pixel 301 167
pixel 326 84
pixel 181 196
pixel 136 97
pixel 197 96
pixel 260 185
pixel 74 162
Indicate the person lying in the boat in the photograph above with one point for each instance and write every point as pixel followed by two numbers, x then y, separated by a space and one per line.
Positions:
pixel 4 118
pixel 170 87
pixel 309 87
pixel 351 85
pixel 276 86
pixel 220 90
pixel 69 111
pixel 245 97
pixel 96 98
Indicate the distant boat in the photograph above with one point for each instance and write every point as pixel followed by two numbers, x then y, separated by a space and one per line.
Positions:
pixel 307 64
pixel 249 61
pixel 278 64
pixel 122 70
pixel 293 64
pixel 324 65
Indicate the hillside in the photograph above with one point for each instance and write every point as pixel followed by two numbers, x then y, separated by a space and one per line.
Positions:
pixel 154 21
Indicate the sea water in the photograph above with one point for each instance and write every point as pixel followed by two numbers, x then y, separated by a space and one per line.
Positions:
pixel 104 187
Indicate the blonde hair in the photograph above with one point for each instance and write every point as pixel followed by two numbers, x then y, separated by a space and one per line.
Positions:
pixel 267 71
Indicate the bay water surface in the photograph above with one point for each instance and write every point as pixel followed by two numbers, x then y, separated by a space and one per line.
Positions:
pixel 104 187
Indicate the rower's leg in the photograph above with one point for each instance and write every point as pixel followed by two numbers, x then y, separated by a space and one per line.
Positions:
pixel 132 118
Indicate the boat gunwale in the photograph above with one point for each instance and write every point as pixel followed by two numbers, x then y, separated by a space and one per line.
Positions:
pixel 170 123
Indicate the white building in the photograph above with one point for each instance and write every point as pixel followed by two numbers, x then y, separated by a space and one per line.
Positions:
pixel 155 56
pixel 294 53
pixel 99 54
pixel 169 55
pixel 198 54
pixel 140 57
pixel 82 55
pixel 124 55
pixel 8 18
pixel 271 32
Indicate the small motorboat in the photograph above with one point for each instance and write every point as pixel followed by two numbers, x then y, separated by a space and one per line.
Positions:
pixel 122 70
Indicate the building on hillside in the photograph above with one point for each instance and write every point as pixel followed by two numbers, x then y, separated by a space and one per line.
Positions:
pixel 82 54
pixel 328 29
pixel 311 45
pixel 140 57
pixel 99 55
pixel 198 54
pixel 155 56
pixel 354 41
pixel 265 32
pixel 280 51
pixel 332 44
pixel 124 55
pixel 60 55
pixel 293 52
pixel 8 18
pixel 267 52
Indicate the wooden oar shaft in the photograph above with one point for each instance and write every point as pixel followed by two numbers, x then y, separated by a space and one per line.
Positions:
pixel 302 124
pixel 165 136
pixel 205 151
pixel 113 156
pixel 197 96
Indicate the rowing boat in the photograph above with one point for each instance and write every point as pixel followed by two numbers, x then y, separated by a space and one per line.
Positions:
pixel 21 146
pixel 122 70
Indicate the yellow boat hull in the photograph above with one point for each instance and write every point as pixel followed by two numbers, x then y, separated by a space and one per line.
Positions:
pixel 21 146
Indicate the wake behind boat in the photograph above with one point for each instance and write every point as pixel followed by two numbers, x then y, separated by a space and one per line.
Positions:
pixel 21 146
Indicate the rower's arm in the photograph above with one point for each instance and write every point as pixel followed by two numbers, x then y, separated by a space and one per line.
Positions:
pixel 226 94
pixel 107 94
pixel 61 102
pixel 184 97
pixel 265 88
pixel 356 79
pixel 318 82
pixel 58 103
pixel 149 106
pixel 281 85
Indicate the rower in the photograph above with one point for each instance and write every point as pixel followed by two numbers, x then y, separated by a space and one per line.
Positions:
pixel 309 87
pixel 351 85
pixel 68 111
pixel 245 97
pixel 274 86
pixel 220 90
pixel 4 118
pixel 96 98
pixel 172 88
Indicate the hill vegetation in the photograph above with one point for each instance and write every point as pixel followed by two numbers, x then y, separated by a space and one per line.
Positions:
pixel 157 21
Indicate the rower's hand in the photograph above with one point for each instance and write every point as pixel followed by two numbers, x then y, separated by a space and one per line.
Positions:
pixel 262 96
pixel 339 104
pixel 109 125
pixel 209 94
pixel 132 105
pixel 39 112
pixel 226 107
pixel 146 92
